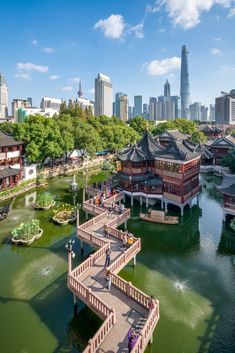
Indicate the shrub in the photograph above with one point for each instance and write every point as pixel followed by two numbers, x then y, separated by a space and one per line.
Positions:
pixel 232 224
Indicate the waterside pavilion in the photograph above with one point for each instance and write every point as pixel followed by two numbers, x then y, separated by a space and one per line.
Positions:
pixel 149 171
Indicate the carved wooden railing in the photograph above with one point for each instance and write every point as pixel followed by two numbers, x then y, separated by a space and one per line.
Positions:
pixel 92 300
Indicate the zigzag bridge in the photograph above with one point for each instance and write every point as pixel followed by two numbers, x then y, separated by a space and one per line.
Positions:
pixel 125 306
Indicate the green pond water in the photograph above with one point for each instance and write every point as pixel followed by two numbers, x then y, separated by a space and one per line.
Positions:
pixel 189 267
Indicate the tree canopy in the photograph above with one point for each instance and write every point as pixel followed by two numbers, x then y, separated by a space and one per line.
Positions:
pixel 72 129
pixel 229 161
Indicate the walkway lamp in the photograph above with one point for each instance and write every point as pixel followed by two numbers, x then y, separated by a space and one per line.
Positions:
pixel 71 254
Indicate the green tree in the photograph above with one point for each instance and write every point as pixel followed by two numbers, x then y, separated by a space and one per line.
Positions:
pixel 229 161
pixel 198 137
pixel 140 125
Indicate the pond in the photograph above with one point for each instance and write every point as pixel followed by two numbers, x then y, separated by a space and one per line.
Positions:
pixel 190 267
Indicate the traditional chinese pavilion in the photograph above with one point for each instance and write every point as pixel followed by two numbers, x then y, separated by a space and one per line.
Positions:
pixel 227 188
pixel 10 161
pixel 212 132
pixel 153 172
pixel 214 151
pixel 167 136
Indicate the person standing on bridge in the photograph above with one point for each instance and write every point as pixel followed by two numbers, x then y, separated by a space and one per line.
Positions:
pixel 132 338
pixel 109 280
pixel 108 258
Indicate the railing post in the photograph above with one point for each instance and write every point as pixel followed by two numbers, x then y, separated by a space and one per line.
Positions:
pixel 128 290
pixel 88 295
pixel 114 316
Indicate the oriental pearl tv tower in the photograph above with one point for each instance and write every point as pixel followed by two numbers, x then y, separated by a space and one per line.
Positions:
pixel 184 84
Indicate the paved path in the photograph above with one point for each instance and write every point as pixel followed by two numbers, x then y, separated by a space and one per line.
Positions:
pixel 128 312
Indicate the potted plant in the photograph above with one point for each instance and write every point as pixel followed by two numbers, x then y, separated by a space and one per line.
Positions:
pixel 26 233
pixel 64 214
pixel 44 201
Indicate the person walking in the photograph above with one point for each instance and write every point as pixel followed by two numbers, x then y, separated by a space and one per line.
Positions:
pixel 132 338
pixel 124 241
pixel 108 258
pixel 109 280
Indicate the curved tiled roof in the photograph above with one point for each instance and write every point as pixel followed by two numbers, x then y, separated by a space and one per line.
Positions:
pixel 228 185
pixel 148 149
pixel 7 140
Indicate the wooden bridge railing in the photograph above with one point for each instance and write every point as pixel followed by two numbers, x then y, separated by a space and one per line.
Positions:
pixel 92 300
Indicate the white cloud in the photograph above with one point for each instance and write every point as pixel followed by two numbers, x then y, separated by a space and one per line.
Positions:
pixel 48 50
pixel 91 91
pixel 217 39
pixel 34 42
pixel 138 30
pixel 32 67
pixel 162 30
pixel 216 51
pixel 113 26
pixel 75 79
pixel 67 88
pixel 163 67
pixel 22 75
pixel 152 9
pixel 187 13
pixel 227 69
pixel 231 12
pixel 53 77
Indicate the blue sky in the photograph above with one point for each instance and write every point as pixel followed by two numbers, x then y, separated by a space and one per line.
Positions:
pixel 46 45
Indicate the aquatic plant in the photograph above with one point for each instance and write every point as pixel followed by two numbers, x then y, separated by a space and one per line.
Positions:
pixel 44 200
pixel 27 230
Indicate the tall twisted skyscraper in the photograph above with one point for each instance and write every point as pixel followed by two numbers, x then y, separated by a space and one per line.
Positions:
pixel 184 84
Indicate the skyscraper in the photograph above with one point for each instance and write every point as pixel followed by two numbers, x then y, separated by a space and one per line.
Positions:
pixel 137 105
pixel 103 95
pixel 3 98
pixel 225 108
pixel 167 89
pixel 124 107
pixel 184 84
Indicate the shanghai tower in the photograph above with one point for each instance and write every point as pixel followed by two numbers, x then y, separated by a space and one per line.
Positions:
pixel 184 84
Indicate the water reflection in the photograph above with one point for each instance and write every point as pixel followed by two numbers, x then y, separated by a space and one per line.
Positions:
pixel 227 241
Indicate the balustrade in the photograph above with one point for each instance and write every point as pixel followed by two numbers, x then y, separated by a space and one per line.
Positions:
pixel 91 299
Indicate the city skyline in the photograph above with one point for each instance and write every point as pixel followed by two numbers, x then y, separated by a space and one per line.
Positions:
pixel 137 45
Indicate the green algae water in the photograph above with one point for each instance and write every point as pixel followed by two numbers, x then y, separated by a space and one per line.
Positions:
pixel 189 267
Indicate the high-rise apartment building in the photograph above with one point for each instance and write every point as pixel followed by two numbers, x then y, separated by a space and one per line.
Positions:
pixel 124 107
pixel 116 105
pixel 130 113
pixel 195 111
pixel 137 105
pixel 30 101
pixel 18 104
pixel 212 112
pixel 146 111
pixel 184 84
pixel 103 95
pixel 204 113
pixel 225 108
pixel 153 108
pixel 49 102
pixel 3 98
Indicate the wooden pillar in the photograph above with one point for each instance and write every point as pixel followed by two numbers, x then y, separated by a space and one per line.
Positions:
pixel 86 216
pixel 147 201
pixel 181 210
pixel 162 204
pixel 141 200
pixel 77 218
pixel 166 206
pixel 134 261
pixel 75 305
pixel 82 247
pixel 125 224
pixel 132 201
